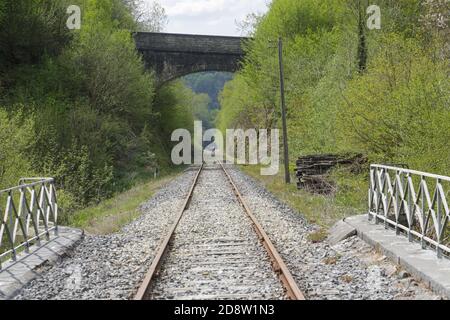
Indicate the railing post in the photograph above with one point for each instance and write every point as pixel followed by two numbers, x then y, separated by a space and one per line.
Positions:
pixel 397 206
pixel 55 208
pixel 424 231
pixel 438 219
pixel 410 206
pixel 383 189
pixel 371 193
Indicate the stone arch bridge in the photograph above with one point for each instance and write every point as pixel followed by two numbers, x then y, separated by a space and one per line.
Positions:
pixel 176 55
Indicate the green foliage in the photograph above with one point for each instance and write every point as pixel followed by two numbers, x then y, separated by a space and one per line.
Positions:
pixel 289 18
pixel 173 112
pixel 87 103
pixel 386 94
pixel 30 29
pixel 111 70
pixel 210 83
pixel 179 107
pixel 78 176
pixel 399 111
pixel 236 109
pixel 111 215
pixel 315 64
pixel 15 141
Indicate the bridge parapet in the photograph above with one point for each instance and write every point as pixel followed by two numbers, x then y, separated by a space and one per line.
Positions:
pixel 171 42
pixel 414 203
pixel 29 213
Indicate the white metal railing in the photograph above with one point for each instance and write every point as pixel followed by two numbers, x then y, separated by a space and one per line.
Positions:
pixel 401 199
pixel 29 212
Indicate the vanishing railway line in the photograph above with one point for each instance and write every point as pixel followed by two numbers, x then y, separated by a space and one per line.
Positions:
pixel 216 249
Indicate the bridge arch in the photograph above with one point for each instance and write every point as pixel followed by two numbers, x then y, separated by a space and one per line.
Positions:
pixel 176 55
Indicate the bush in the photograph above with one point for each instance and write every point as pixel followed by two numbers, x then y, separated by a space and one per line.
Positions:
pixel 399 111
pixel 384 93
pixel 88 97
pixel 16 136
pixel 30 29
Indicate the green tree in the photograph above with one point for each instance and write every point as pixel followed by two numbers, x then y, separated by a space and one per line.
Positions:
pixel 90 97
pixel 210 83
pixel 392 111
pixel 30 29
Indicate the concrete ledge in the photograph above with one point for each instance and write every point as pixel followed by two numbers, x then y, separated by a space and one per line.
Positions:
pixel 423 265
pixel 339 232
pixel 16 274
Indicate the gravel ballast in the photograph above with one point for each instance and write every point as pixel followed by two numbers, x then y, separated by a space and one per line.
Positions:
pixel 350 270
pixel 215 253
pixel 112 266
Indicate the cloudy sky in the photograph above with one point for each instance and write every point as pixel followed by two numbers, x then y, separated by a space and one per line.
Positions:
pixel 214 17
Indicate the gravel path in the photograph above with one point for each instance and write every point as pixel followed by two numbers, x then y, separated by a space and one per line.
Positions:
pixel 112 266
pixel 349 270
pixel 216 253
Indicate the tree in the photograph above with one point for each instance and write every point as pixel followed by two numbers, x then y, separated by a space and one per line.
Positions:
pixel 362 44
pixel 210 83
pixel 30 29
pixel 436 23
pixel 389 111
pixel 150 17
pixel 248 26
pixel 89 97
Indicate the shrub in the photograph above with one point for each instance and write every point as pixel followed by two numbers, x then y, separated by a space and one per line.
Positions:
pixel 16 136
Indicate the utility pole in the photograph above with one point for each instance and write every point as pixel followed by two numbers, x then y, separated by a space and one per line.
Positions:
pixel 287 174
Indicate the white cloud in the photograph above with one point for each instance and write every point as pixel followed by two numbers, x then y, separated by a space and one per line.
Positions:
pixel 195 8
pixel 215 17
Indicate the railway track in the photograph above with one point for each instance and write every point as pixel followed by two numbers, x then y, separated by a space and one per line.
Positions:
pixel 216 249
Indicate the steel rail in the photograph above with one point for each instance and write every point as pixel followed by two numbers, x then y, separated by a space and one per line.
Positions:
pixel 163 248
pixel 279 266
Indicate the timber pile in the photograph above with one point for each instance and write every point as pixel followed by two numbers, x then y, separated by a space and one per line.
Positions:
pixel 312 171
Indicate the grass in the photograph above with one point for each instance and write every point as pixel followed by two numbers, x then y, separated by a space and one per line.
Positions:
pixel 323 210
pixel 111 215
pixel 318 236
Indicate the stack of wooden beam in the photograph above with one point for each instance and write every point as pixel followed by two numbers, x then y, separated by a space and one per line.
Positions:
pixel 312 171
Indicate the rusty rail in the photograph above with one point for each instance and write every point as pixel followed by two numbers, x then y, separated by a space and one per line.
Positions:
pixel 154 268
pixel 278 264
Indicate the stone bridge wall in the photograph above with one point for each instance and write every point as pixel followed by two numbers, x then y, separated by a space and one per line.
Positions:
pixel 176 55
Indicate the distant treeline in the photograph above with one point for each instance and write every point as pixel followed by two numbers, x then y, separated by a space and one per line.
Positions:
pixel 210 83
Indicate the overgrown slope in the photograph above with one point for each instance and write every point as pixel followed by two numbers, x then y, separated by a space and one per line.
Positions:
pixel 384 92
pixel 79 105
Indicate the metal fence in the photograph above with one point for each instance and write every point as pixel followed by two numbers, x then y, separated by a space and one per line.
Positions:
pixel 29 214
pixel 414 203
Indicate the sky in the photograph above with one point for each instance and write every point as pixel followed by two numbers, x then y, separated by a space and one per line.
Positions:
pixel 212 17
